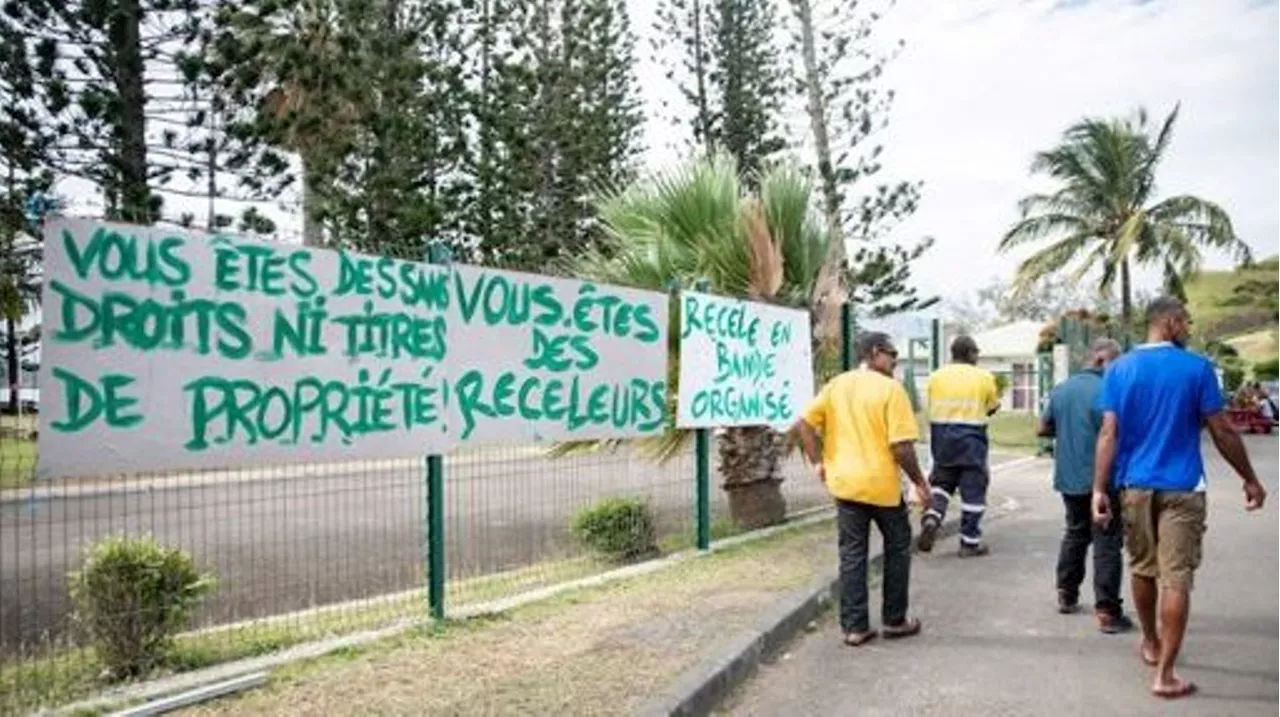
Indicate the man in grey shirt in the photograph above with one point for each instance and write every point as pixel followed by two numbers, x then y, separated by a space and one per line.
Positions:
pixel 1072 418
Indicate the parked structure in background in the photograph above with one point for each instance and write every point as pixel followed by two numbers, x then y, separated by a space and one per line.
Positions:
pixel 1009 352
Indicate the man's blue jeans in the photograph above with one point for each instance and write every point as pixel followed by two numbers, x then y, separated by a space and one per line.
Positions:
pixel 854 523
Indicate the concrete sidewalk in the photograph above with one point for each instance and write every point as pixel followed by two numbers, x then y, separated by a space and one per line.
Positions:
pixel 995 645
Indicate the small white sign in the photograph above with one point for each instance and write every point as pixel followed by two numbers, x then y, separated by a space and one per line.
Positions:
pixel 742 363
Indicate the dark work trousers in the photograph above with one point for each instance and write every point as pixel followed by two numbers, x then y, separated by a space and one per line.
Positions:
pixel 1107 545
pixel 854 522
pixel 972 482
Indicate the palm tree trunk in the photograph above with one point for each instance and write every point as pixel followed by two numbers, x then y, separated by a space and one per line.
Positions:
pixel 11 364
pixel 1126 295
pixel 749 459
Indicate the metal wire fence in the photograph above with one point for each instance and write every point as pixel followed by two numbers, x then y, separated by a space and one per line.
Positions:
pixel 306 551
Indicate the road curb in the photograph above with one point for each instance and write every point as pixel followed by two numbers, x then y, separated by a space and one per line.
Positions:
pixel 700 689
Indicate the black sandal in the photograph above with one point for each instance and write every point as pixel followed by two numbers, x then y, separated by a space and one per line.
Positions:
pixel 908 628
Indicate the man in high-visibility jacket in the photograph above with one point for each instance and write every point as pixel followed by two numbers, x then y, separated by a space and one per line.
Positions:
pixel 961 398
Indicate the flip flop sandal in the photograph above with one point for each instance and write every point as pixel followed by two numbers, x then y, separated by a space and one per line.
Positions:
pixel 907 629
pixel 858 639
pixel 1185 688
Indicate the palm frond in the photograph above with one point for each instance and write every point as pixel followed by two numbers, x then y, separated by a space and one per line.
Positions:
pixel 1033 229
pixel 695 223
pixel 1155 153
pixel 1050 259
pixel 765 264
pixel 1206 223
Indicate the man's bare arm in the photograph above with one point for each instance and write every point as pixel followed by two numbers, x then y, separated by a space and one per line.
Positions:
pixel 809 441
pixel 905 454
pixel 1104 457
pixel 1228 443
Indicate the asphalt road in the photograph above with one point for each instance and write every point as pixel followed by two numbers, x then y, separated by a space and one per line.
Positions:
pixel 282 543
pixel 995 645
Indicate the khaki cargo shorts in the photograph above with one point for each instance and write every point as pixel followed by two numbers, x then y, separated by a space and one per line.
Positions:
pixel 1163 532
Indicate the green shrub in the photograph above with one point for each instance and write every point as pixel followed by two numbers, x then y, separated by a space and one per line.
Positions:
pixel 1232 376
pixel 619 528
pixel 1266 370
pixel 132 595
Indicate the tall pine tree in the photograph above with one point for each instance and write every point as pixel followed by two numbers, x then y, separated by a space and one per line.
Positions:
pixel 837 71
pixel 723 58
pixel 557 120
pixel 27 137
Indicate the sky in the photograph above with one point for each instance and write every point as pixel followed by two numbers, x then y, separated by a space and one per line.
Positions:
pixel 983 84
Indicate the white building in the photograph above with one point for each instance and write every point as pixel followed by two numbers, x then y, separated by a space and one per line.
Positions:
pixel 1010 351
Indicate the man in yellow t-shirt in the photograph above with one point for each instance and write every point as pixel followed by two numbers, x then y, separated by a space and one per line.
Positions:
pixel 961 398
pixel 859 431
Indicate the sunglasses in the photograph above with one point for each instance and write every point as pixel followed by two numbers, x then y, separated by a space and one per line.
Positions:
pixel 891 353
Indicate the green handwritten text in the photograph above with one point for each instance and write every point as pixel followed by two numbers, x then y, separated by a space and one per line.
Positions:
pixel 638 403
pixel 262 268
pixel 751 364
pixel 86 402
pixel 224 409
pixel 149 324
pixel 727 402
pixel 413 284
pixel 118 257
pixel 720 320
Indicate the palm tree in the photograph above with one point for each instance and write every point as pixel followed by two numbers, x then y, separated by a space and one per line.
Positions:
pixel 1102 215
pixel 696 224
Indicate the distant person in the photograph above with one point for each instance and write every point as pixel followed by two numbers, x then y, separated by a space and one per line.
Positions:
pixel 867 431
pixel 1072 418
pixel 1155 401
pixel 961 399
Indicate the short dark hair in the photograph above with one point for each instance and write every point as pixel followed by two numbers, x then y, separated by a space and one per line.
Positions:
pixel 871 341
pixel 964 348
pixel 1163 307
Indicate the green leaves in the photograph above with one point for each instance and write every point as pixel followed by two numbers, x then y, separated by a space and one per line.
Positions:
pixel 132 595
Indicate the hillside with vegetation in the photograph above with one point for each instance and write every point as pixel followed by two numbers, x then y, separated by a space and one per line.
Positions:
pixel 1238 307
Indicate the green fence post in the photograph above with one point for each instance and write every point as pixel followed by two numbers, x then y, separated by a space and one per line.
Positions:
pixel 436 254
pixel 846 336
pixel 435 535
pixel 702 461
pixel 702 454
pixel 935 343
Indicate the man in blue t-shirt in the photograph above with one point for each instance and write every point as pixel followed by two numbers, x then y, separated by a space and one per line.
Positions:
pixel 1071 417
pixel 1155 401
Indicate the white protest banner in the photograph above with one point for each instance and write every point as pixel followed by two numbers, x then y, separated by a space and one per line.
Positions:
pixel 742 363
pixel 168 349
pixel 546 358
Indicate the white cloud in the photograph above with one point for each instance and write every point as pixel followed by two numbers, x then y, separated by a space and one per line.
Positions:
pixel 981 87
